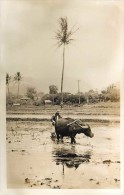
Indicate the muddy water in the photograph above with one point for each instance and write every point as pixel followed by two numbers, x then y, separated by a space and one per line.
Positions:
pixel 35 160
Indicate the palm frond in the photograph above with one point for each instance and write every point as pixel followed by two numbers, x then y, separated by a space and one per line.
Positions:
pixel 8 78
pixel 17 77
pixel 62 34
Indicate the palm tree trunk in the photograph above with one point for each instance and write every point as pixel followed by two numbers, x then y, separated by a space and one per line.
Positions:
pixel 8 90
pixel 18 89
pixel 79 99
pixel 62 74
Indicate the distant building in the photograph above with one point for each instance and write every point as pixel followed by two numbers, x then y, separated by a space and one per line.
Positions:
pixel 26 100
pixel 16 104
pixel 47 102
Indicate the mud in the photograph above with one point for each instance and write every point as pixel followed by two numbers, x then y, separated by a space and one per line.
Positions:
pixel 36 160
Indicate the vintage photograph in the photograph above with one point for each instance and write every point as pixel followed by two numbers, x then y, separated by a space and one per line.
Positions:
pixel 63 66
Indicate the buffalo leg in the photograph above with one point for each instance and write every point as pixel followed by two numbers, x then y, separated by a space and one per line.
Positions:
pixel 73 140
pixel 58 137
pixel 61 138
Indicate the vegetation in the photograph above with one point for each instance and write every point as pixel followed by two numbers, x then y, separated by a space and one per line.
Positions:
pixel 53 90
pixel 18 78
pixel 31 93
pixel 89 97
pixel 12 99
pixel 8 78
pixel 111 93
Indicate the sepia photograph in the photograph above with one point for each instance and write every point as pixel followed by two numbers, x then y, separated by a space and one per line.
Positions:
pixel 61 95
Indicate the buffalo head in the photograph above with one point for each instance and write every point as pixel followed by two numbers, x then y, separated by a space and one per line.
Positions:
pixel 87 131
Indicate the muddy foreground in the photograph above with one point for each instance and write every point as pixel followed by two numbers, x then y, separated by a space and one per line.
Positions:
pixel 35 160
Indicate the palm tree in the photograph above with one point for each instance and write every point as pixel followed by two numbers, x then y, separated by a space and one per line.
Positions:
pixel 18 78
pixel 8 78
pixel 63 36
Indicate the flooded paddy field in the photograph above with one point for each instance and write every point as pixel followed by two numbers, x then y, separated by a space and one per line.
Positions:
pixel 35 160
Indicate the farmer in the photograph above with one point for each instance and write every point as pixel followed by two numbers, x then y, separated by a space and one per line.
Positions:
pixel 55 117
pixel 61 104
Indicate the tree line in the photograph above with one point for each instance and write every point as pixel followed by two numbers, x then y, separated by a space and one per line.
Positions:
pixel 111 93
pixel 17 78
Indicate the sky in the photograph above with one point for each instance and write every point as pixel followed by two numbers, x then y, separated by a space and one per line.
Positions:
pixel 29 44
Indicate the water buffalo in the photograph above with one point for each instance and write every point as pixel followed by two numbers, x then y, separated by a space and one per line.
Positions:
pixel 70 127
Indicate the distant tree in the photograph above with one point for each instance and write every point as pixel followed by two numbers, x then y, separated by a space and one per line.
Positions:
pixel 47 97
pixel 18 79
pixel 31 92
pixel 11 99
pixel 53 90
pixel 92 96
pixel 91 91
pixel 115 95
pixel 104 96
pixel 68 98
pixel 103 91
pixel 82 98
pixel 113 92
pixel 8 78
pixel 57 98
pixel 63 36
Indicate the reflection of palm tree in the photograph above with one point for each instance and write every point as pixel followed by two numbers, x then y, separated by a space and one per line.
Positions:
pixel 18 78
pixel 8 78
pixel 63 38
pixel 63 169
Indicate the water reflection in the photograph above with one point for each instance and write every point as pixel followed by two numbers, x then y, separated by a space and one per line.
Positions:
pixel 68 157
